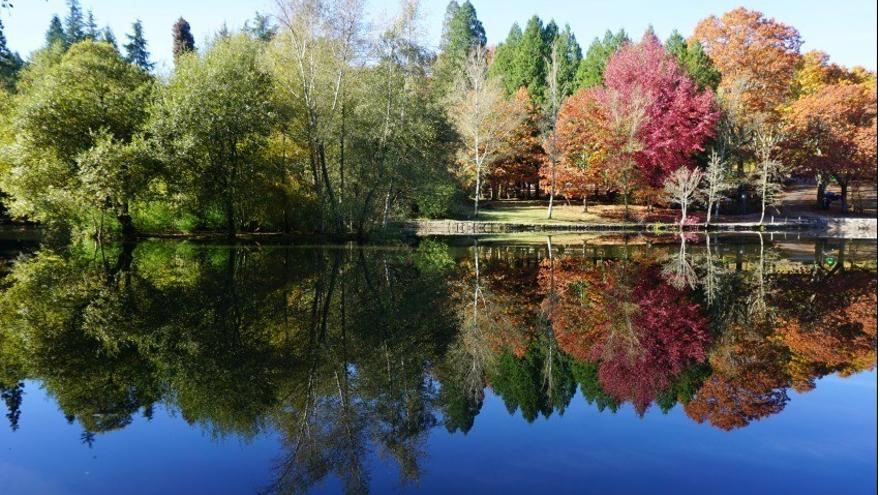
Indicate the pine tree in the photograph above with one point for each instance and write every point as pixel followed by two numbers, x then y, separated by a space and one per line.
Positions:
pixel 223 33
pixel 74 27
pixel 502 63
pixel 136 48
pixel 592 67
pixel 55 33
pixel 529 66
pixel 10 63
pixel 183 38
pixel 569 53
pixel 91 27
pixel 107 36
pixel 260 27
pixel 462 32
pixel 693 60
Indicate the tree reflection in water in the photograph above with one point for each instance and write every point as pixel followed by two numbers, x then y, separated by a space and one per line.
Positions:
pixel 349 352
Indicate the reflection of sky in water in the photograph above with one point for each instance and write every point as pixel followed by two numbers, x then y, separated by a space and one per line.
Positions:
pixel 823 442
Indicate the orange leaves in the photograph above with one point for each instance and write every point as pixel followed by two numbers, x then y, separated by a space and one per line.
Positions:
pixel 752 50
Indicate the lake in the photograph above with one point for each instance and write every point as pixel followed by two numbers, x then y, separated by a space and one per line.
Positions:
pixel 564 364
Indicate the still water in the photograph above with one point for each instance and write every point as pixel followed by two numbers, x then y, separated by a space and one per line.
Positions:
pixel 568 364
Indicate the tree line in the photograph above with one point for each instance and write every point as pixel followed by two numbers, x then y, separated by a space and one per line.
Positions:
pixel 305 120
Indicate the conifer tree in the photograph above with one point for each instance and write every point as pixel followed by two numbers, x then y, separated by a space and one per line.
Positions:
pixel 55 33
pixel 592 67
pixel 74 26
pixel 136 48
pixel 183 38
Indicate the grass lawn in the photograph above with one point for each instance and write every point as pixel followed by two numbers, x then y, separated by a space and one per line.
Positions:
pixel 536 212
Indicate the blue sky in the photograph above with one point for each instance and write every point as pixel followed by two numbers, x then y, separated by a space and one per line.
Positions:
pixel 845 29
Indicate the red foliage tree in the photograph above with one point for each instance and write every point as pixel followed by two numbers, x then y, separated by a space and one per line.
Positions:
pixel 679 117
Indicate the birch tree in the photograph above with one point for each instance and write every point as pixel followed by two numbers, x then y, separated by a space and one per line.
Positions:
pixel 482 116
pixel 551 139
pixel 715 182
pixel 771 172
pixel 681 187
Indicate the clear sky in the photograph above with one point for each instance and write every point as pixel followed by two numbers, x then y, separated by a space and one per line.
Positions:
pixel 846 29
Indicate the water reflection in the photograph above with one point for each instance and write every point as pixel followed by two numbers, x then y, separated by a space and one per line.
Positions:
pixel 354 352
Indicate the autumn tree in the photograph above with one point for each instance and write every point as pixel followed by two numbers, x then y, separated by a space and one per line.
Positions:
pixel 678 117
pixel 832 132
pixel 518 161
pixel 482 116
pixel 580 133
pixel 751 49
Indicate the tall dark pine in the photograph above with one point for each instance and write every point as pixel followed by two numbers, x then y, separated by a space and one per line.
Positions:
pixel 136 49
pixel 91 26
pixel 107 36
pixel 183 38
pixel 74 25
pixel 55 33
pixel 10 63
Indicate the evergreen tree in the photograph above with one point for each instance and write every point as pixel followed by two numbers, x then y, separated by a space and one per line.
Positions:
pixel 183 38
pixel 223 33
pixel 693 60
pixel 107 36
pixel 74 26
pixel 549 34
pixel 260 27
pixel 529 66
pixel 91 27
pixel 10 63
pixel 55 33
pixel 451 11
pixel 136 48
pixel 592 67
pixel 505 54
pixel 570 55
pixel 461 33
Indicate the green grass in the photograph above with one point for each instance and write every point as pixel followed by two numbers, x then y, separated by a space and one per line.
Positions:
pixel 536 212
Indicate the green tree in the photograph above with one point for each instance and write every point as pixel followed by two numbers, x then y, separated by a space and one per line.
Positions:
pixel 55 33
pixel 461 32
pixel 10 63
pixel 213 119
pixel 693 60
pixel 136 49
pixel 90 29
pixel 529 65
pixel 569 58
pixel 66 107
pixel 260 27
pixel 183 41
pixel 592 68
pixel 74 25
pixel 107 36
pixel 505 55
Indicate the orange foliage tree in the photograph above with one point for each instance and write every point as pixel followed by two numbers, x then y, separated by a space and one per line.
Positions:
pixel 832 132
pixel 754 52
pixel 521 154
